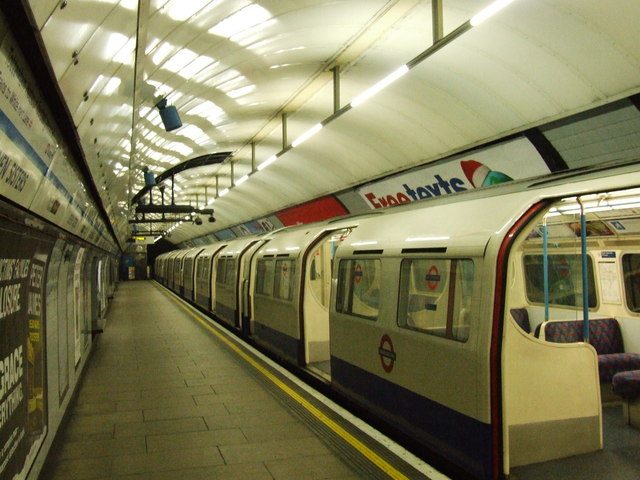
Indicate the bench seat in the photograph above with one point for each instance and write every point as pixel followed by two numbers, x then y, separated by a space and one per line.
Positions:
pixel 627 384
pixel 604 336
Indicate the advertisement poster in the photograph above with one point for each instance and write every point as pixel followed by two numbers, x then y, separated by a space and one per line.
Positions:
pixel 510 160
pixel 23 416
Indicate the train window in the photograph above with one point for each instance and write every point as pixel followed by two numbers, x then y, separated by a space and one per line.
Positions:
pixel 565 279
pixel 284 272
pixel 264 277
pixel 226 272
pixel 359 288
pixel 435 296
pixel 230 272
pixel 631 271
pixel 321 261
pixel 204 271
pixel 221 270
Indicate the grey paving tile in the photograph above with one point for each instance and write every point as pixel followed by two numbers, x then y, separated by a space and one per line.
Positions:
pixel 282 431
pixel 95 408
pixel 157 427
pixel 167 461
pixel 186 441
pixel 111 418
pixel 102 448
pixel 249 419
pixel 244 471
pixel 183 391
pixel 253 395
pixel 202 380
pixel 316 467
pixel 236 385
pixel 273 450
pixel 156 401
pixel 138 476
pixel 89 396
pixel 167 413
pixel 264 405
pixel 81 469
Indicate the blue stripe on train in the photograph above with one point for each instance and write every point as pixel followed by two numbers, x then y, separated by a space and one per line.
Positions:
pixel 279 342
pixel 464 441
pixel 226 314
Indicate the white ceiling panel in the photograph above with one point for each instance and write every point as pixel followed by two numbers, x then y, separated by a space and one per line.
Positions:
pixel 233 67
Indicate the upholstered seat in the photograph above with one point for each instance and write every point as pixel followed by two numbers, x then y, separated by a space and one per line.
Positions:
pixel 604 336
pixel 627 384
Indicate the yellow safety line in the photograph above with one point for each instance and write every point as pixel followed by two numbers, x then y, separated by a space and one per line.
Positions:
pixel 353 441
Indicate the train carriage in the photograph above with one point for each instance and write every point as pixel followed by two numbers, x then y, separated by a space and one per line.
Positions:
pixel 487 326
pixel 408 326
pixel 290 301
pixel 205 276
pixel 230 278
pixel 422 319
pixel 175 278
pixel 188 272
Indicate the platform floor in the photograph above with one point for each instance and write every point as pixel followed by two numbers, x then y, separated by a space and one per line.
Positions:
pixel 164 398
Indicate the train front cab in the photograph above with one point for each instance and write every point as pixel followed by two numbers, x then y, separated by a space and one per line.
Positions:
pixel 553 392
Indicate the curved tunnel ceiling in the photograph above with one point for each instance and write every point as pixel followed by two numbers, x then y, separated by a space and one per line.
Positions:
pixel 234 68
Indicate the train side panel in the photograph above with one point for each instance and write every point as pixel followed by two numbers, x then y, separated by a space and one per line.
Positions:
pixel 408 340
pixel 229 280
pixel 189 272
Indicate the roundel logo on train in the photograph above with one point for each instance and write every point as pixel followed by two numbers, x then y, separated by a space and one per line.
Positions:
pixel 433 277
pixel 387 353
pixel 357 273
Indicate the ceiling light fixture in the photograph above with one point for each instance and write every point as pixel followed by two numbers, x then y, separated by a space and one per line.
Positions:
pixel 370 92
pixel 242 179
pixel 267 162
pixel 307 135
pixel 489 11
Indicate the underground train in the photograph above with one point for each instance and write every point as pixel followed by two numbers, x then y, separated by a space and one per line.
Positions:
pixel 438 316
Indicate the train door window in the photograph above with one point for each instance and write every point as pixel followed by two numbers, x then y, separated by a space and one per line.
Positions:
pixel 285 270
pixel 631 271
pixel 359 288
pixel 203 267
pixel 435 296
pixel 221 270
pixel 321 263
pixel 264 277
pixel 565 279
pixel 230 272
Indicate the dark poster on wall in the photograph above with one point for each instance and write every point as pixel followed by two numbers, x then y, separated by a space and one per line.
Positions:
pixel 23 419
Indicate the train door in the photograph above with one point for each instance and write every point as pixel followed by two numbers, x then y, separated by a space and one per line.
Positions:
pixel 244 287
pixel 201 283
pixel 189 274
pixel 239 265
pixel 569 311
pixel 212 278
pixel 315 300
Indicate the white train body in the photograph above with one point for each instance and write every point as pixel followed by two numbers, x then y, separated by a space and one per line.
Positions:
pixel 407 311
